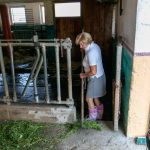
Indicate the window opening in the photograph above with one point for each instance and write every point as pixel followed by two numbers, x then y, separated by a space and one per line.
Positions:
pixel 67 9
pixel 18 15
pixel 42 14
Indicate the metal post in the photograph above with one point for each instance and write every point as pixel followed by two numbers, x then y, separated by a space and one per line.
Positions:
pixel 67 45
pixel 13 73
pixel 33 70
pixel 61 48
pixel 58 73
pixel 4 74
pixel 45 73
pixel 69 73
pixel 35 80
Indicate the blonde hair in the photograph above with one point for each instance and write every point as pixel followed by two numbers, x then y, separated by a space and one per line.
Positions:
pixel 84 37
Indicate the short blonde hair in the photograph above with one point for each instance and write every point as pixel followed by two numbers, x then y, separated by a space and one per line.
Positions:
pixel 84 37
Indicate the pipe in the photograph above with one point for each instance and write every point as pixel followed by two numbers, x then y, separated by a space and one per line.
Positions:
pixel 33 70
pixel 30 40
pixel 67 45
pixel 61 48
pixel 13 73
pixel 35 79
pixel 28 44
pixel 58 73
pixel 69 73
pixel 45 73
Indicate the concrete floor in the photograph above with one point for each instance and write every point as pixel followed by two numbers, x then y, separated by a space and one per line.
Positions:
pixel 107 139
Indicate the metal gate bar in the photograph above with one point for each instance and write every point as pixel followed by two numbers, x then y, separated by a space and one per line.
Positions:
pixel 58 73
pixel 13 72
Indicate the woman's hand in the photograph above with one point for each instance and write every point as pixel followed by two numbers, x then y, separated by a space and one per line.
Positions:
pixel 82 75
pixel 92 72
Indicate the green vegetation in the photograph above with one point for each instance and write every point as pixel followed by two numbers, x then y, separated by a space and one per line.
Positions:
pixel 91 125
pixel 17 135
pixel 25 135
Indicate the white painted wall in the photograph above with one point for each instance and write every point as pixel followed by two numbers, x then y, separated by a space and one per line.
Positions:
pixel 134 27
pixel 142 38
pixel 126 23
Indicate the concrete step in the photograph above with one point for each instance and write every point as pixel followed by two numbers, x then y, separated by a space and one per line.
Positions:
pixel 38 113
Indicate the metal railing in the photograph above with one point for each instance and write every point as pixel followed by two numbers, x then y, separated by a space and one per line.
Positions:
pixel 41 59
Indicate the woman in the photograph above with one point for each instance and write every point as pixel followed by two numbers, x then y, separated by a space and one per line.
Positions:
pixel 94 71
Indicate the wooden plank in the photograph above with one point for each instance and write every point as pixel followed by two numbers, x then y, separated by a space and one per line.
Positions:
pixel 117 87
pixel 69 27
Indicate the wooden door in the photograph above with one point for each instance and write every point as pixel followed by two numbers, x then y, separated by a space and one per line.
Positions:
pixel 69 27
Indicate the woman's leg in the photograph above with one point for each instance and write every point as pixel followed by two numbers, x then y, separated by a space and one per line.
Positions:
pixel 92 109
pixel 97 101
pixel 99 108
pixel 90 103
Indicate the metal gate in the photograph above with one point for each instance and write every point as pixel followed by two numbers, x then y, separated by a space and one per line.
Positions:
pixel 41 59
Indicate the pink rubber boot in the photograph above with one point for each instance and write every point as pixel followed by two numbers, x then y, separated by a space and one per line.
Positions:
pixel 92 114
pixel 100 111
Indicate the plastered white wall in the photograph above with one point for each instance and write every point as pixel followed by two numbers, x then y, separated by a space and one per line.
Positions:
pixel 127 21
pixel 139 102
pixel 142 37
pixel 134 26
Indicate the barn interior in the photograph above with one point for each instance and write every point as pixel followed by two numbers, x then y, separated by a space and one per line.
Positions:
pixel 41 20
pixel 28 24
pixel 40 63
